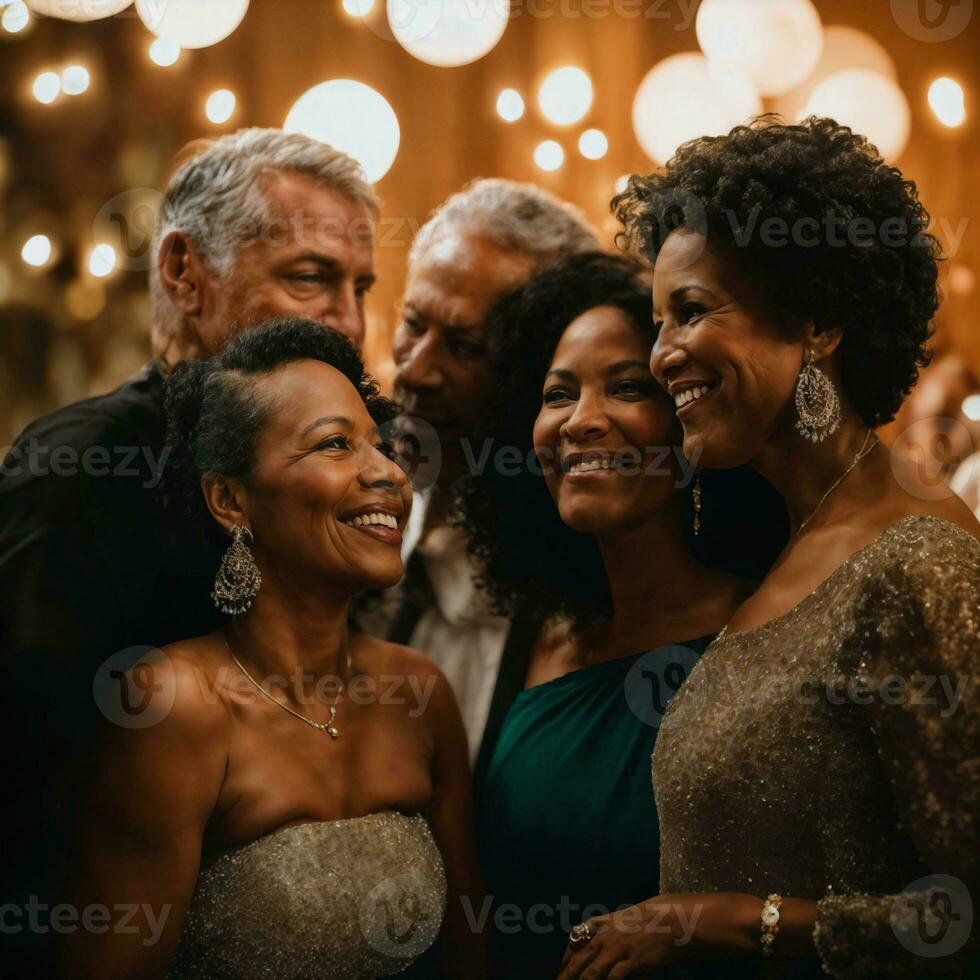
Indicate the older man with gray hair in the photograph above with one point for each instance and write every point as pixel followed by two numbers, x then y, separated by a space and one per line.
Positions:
pixel 482 242
pixel 256 224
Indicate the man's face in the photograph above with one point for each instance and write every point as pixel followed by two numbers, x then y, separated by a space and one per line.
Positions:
pixel 441 370
pixel 315 260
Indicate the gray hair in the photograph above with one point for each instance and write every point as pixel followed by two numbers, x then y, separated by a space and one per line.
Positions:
pixel 216 199
pixel 521 217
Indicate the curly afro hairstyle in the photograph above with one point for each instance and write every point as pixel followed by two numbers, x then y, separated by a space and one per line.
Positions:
pixel 215 413
pixel 830 233
pixel 532 562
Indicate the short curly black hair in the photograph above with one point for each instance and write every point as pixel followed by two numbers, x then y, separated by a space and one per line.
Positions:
pixel 215 414
pixel 530 560
pixel 869 268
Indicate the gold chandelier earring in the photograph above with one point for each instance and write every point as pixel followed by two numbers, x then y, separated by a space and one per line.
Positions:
pixel 696 497
pixel 817 403
pixel 239 579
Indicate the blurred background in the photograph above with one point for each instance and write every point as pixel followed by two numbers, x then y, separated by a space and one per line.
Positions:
pixel 98 96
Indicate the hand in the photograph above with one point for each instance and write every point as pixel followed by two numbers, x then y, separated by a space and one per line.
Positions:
pixel 669 929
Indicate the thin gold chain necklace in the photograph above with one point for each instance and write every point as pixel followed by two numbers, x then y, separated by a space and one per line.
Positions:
pixel 325 726
pixel 864 450
pixel 870 441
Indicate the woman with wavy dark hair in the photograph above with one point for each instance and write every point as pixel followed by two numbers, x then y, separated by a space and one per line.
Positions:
pixel 292 798
pixel 583 516
pixel 817 776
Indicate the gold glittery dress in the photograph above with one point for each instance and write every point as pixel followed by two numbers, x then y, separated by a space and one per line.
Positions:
pixel 833 754
pixel 340 900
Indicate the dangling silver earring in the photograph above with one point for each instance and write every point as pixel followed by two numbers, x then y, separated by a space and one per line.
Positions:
pixel 239 579
pixel 696 496
pixel 817 403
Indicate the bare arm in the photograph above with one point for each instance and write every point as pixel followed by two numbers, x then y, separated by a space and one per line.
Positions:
pixel 464 945
pixel 138 845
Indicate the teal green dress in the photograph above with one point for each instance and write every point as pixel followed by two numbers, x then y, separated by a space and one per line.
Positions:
pixel 567 821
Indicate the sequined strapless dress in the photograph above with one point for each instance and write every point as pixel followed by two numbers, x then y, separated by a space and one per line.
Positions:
pixel 339 900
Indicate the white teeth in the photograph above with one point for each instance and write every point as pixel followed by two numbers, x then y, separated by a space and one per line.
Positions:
pixel 599 463
pixel 692 394
pixel 384 520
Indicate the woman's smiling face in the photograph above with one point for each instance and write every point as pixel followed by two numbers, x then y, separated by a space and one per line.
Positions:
pixel 728 365
pixel 606 433
pixel 321 471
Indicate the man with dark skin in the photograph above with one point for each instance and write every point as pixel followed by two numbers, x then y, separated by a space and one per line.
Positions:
pixel 257 224
pixel 478 245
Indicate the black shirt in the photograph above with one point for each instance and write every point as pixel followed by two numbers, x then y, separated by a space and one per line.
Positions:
pixel 90 565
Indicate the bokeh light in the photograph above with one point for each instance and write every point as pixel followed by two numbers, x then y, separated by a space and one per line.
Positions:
pixel 962 281
pixel 358 8
pixel 622 183
pixel 192 23
pixel 16 17
pixel 79 10
pixel 510 105
pixel 843 48
pixel 869 103
pixel 448 33
pixel 47 87
pixel 75 80
pixel 775 44
pixel 685 96
pixel 165 51
pixel 220 106
pixel 549 155
pixel 593 144
pixel 971 407
pixel 102 260
pixel 352 117
pixel 565 95
pixel 947 101
pixel 37 251
pixel 85 298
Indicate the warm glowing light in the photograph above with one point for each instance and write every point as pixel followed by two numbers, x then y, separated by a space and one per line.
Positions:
pixel 15 17
pixel 971 407
pixel 358 8
pixel 75 80
pixel 843 48
pixel 102 260
pixel 192 23
pixel 79 10
pixel 85 298
pixel 685 96
pixel 622 183
pixel 947 101
pixel 352 117
pixel 775 44
pixel 220 106
pixel 962 281
pixel 510 105
pixel 869 103
pixel 565 95
pixel 549 155
pixel 165 51
pixel 37 251
pixel 593 144
pixel 47 87
pixel 448 33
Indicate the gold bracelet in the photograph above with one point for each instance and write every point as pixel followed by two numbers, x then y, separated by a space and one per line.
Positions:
pixel 770 922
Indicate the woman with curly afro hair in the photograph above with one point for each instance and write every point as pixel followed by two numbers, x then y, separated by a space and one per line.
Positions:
pixel 816 775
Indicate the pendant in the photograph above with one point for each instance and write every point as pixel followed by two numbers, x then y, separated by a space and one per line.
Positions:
pixel 331 730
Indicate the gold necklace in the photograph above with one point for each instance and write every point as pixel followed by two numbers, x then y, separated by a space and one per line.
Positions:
pixel 325 726
pixel 870 441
